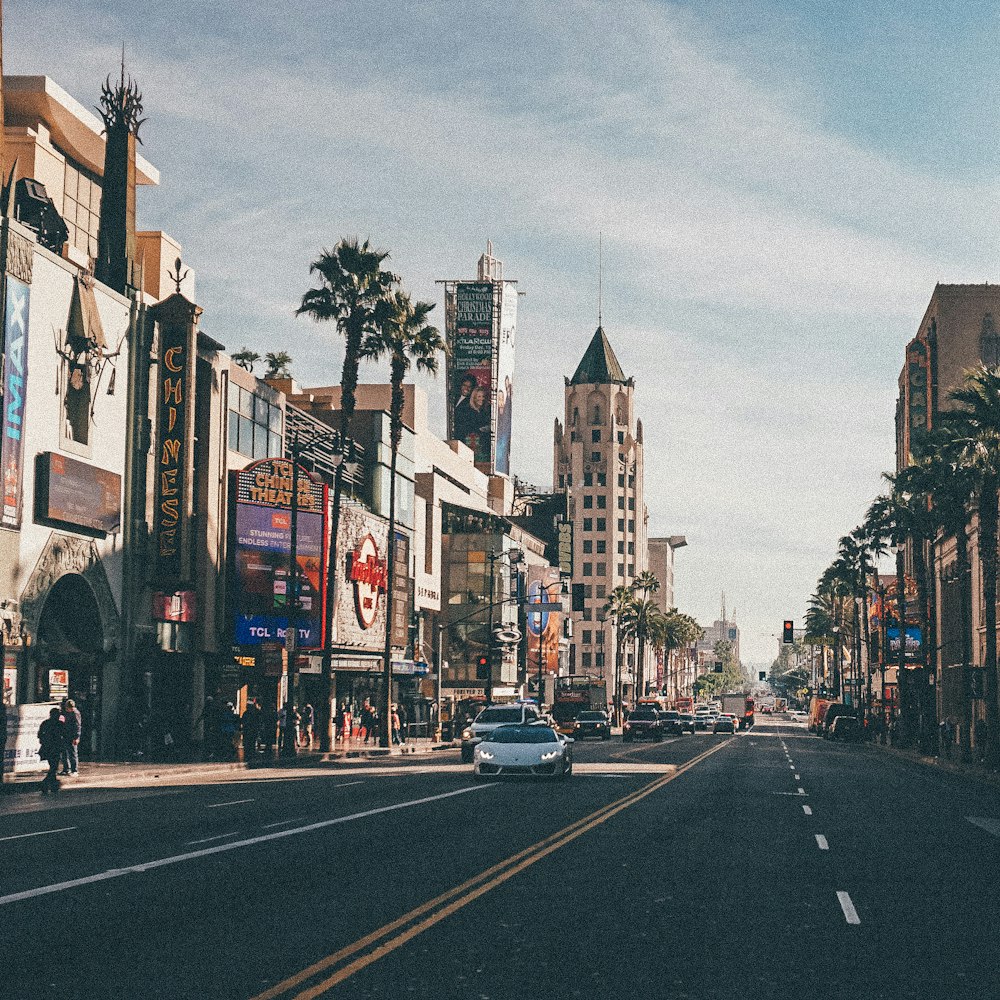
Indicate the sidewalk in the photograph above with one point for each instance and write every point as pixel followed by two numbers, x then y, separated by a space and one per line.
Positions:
pixel 974 769
pixel 102 772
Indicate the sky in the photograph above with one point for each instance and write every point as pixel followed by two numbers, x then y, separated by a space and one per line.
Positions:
pixel 778 186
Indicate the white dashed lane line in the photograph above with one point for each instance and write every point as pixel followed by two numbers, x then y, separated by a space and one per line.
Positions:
pixel 347 784
pixel 235 802
pixel 807 810
pixel 989 825
pixel 282 822
pixel 821 842
pixel 801 791
pixel 38 833
pixel 850 914
pixel 208 840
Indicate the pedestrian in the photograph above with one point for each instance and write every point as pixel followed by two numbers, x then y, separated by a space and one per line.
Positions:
pixel 250 724
pixel 396 727
pixel 229 727
pixel 373 724
pixel 365 733
pixel 269 722
pixel 308 723
pixel 51 743
pixel 73 725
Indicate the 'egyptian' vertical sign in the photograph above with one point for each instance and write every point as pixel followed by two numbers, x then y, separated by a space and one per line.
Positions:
pixel 177 319
pixel 15 387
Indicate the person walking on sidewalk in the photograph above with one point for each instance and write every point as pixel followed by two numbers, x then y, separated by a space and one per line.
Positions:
pixel 367 722
pixel 308 721
pixel 73 725
pixel 396 727
pixel 251 728
pixel 51 744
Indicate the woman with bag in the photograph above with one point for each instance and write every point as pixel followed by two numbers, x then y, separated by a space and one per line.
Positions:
pixel 51 745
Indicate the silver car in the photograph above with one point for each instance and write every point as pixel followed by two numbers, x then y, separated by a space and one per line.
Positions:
pixel 491 718
pixel 528 750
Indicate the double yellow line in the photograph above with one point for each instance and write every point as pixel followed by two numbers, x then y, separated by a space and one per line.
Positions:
pixel 397 933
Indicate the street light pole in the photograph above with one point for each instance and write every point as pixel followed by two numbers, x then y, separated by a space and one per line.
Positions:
pixel 288 748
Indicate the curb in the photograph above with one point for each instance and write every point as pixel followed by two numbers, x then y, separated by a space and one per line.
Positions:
pixel 942 765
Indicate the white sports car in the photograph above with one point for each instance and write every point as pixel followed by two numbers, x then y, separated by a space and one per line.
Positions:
pixel 531 750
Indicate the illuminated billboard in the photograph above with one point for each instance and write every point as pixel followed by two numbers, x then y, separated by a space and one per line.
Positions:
pixel 262 553
pixel 544 627
pixel 470 369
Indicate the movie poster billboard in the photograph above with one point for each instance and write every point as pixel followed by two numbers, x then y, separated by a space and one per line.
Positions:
pixel 362 579
pixel 263 547
pixel 504 390
pixel 15 390
pixel 470 382
pixel 544 627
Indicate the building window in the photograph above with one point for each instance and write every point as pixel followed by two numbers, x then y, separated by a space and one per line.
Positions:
pixel 602 479
pixel 595 437
pixel 631 482
pixel 588 569
pixel 587 635
pixel 621 437
pixel 82 207
pixel 598 659
pixel 588 501
pixel 588 479
pixel 631 503
pixel 569 479
pixel 602 501
pixel 602 524
pixel 631 548
pixel 631 569
pixel 254 424
pixel 599 638
pixel 621 569
pixel 586 659
pixel 621 524
pixel 588 590
pixel 595 456
pixel 602 591
pixel 562 481
pixel 588 524
pixel 621 480
pixel 621 548
pixel 588 546
pixel 601 546
pixel 631 527
pixel 602 569
pixel 621 503
pixel 588 614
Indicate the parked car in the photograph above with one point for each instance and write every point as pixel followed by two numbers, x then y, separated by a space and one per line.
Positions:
pixel 523 750
pixel 834 710
pixel 845 728
pixel 642 724
pixel 671 723
pixel 492 718
pixel 723 724
pixel 592 724
pixel 702 720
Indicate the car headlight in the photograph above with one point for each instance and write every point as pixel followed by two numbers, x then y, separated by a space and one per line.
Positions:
pixel 484 754
pixel 551 755
pixel 466 734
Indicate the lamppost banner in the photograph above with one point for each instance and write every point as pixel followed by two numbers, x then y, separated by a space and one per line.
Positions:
pixel 471 395
pixel 15 385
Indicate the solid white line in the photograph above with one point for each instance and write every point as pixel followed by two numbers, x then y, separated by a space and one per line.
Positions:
pixel 802 791
pixel 16 897
pixel 39 833
pixel 347 784
pixel 208 840
pixel 821 842
pixel 850 914
pixel 807 810
pixel 282 822
pixel 984 823
pixel 235 802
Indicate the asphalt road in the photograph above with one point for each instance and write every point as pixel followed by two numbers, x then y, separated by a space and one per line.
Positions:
pixel 771 864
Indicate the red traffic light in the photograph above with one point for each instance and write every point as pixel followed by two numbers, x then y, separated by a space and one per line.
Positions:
pixel 788 635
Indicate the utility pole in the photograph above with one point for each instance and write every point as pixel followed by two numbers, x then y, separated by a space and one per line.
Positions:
pixel 492 556
pixel 288 748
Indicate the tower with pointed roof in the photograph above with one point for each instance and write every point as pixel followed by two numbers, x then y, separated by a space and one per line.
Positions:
pixel 598 461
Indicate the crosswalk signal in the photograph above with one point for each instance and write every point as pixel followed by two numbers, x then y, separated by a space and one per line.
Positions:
pixel 788 635
pixel 483 668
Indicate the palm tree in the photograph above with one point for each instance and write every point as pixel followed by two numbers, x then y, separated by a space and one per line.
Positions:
pixel 977 427
pixel 246 358
pixel 646 628
pixel 278 363
pixel 618 610
pixel 353 289
pixel 646 584
pixel 408 340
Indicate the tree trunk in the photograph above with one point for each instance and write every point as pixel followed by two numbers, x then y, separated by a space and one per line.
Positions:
pixel 965 616
pixel 348 383
pixel 988 557
pixel 926 721
pixel 395 434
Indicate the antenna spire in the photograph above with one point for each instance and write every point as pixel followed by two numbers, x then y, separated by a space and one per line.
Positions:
pixel 600 276
pixel 123 65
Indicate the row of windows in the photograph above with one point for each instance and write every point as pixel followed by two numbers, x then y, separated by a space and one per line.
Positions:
pixel 588 547
pixel 598 637
pixel 602 525
pixel 602 502
pixel 81 210
pixel 254 424
pixel 602 569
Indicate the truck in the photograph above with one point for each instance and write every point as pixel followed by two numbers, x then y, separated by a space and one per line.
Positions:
pixel 740 704
pixel 575 695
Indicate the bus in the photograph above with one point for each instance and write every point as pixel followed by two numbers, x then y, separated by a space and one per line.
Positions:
pixel 573 696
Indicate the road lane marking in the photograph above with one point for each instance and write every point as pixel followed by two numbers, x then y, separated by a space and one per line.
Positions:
pixel 347 784
pixel 44 890
pixel 235 802
pixel 282 822
pixel 208 840
pixel 850 914
pixel 796 777
pixel 461 895
pixel 807 810
pixel 801 791
pixel 38 833
pixel 989 825
pixel 798 793
pixel 821 842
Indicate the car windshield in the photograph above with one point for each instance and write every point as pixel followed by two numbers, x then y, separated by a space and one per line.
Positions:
pixel 522 734
pixel 500 715
pixel 643 714
pixel 591 717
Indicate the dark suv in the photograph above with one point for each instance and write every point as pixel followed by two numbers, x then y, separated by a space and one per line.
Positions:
pixel 642 724
pixel 671 723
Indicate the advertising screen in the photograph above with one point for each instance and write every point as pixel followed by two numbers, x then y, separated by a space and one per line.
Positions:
pixel 543 626
pixel 470 382
pixel 15 389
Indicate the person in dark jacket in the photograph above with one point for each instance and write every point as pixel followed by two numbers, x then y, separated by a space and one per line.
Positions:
pixel 51 744
pixel 72 726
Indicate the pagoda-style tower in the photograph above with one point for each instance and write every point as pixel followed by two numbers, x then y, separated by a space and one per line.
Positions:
pixel 121 109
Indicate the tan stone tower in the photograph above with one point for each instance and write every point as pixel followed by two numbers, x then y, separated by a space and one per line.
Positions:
pixel 598 460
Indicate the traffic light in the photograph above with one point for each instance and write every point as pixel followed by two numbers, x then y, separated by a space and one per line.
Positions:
pixel 788 635
pixel 483 668
pixel 579 601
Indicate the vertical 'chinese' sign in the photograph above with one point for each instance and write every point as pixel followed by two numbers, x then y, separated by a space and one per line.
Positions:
pixel 174 437
pixel 15 385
